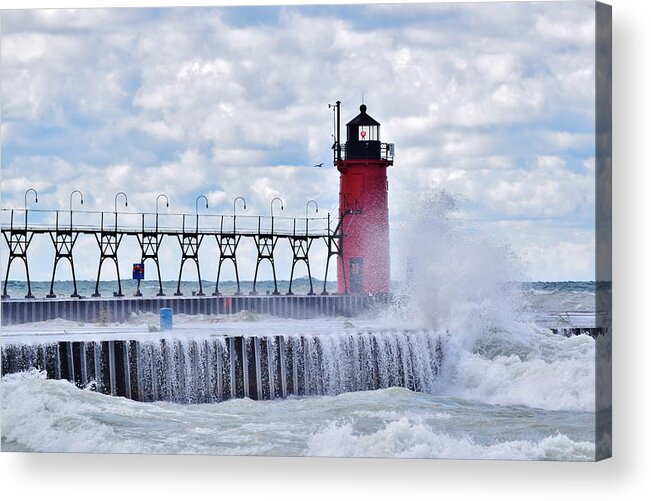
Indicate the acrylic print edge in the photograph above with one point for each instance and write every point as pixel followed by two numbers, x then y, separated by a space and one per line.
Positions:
pixel 603 229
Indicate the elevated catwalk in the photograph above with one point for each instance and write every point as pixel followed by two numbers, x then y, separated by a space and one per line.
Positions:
pixel 151 230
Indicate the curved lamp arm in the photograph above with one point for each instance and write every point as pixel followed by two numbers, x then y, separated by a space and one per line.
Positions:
pixel 81 196
pixel 282 206
pixel 196 203
pixel 35 196
pixel 167 201
pixel 307 206
pixel 115 202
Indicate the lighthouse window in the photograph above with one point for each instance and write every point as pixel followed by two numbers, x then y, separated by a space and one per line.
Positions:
pixel 368 133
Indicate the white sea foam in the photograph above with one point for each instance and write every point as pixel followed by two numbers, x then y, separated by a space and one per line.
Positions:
pixel 42 415
pixel 406 439
pixel 509 380
pixel 522 365
pixel 49 415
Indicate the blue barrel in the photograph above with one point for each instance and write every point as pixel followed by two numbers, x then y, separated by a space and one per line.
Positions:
pixel 166 315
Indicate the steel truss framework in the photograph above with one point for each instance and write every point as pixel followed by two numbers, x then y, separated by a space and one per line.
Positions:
pixel 18 237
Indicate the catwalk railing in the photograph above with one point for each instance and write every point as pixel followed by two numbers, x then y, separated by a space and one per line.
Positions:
pixel 19 226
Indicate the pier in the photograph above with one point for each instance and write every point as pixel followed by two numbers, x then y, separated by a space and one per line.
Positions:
pixel 575 323
pixel 109 310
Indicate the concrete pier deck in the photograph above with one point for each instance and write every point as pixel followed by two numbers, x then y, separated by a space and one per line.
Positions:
pixel 106 310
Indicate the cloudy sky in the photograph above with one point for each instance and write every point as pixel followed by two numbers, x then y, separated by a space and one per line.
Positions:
pixel 492 102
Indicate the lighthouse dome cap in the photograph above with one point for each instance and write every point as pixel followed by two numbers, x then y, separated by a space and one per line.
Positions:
pixel 363 118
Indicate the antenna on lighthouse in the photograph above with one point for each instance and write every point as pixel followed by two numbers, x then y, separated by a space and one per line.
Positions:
pixel 337 133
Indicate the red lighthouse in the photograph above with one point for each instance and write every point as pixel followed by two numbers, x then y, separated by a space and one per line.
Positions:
pixel 363 206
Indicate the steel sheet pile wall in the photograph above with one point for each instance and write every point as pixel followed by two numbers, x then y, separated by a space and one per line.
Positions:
pixel 212 369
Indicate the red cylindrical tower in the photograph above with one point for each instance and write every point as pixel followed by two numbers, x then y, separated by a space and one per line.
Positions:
pixel 363 207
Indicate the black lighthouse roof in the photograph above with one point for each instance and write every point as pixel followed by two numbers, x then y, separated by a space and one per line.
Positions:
pixel 363 118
